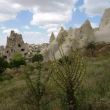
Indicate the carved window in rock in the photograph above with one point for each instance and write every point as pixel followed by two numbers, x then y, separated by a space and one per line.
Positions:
pixel 5 57
pixel 11 50
pixel 22 50
pixel 7 51
pixel 19 45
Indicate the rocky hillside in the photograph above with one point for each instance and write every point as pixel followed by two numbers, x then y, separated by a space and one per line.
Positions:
pixel 103 34
pixel 79 37
pixel 76 38
pixel 15 44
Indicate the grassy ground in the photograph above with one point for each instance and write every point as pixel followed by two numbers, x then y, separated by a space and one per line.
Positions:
pixel 93 95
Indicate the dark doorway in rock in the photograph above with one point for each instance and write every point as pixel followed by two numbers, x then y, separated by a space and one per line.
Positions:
pixel 5 57
pixel 7 51
pixel 22 50
pixel 19 45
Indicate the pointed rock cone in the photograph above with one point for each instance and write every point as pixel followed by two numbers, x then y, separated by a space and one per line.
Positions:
pixel 105 19
pixel 52 37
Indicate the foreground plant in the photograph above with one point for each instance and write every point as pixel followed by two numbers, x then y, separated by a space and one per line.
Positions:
pixel 68 73
pixel 38 87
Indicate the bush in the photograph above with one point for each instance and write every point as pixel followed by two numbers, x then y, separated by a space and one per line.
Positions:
pixel 17 60
pixel 91 48
pixel 3 65
pixel 37 58
pixel 5 77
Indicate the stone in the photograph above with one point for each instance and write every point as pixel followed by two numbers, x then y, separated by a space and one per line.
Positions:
pixel 76 38
pixel 52 38
pixel 85 34
pixel 61 36
pixel 103 34
pixel 15 44
pixel 105 21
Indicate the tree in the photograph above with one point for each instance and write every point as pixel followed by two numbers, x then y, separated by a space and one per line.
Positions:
pixel 68 73
pixel 3 64
pixel 91 47
pixel 17 60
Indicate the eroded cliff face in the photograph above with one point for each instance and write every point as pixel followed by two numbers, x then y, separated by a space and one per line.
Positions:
pixel 72 38
pixel 79 37
pixel 76 38
pixel 103 34
pixel 105 21
pixel 15 44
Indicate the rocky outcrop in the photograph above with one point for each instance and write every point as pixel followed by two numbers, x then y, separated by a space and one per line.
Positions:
pixel 72 38
pixel 105 21
pixel 15 44
pixel 103 34
pixel 77 38
pixel 52 38
pixel 33 49
pixel 80 37
pixel 85 34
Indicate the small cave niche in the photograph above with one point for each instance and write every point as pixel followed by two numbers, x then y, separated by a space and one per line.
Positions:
pixel 22 50
pixel 7 51
pixel 5 57
pixel 19 45
pixel 11 50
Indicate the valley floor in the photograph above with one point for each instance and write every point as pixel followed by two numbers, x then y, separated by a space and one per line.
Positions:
pixel 94 93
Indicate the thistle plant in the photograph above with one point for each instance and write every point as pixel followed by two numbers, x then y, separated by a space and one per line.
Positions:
pixel 37 87
pixel 68 73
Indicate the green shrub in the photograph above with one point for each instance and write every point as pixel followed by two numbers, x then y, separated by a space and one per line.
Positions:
pixel 37 58
pixel 17 60
pixel 3 65
pixel 5 77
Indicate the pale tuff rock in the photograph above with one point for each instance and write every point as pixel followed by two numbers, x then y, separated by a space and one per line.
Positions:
pixel 105 19
pixel 33 49
pixel 85 34
pixel 52 38
pixel 62 29
pixel 66 39
pixel 61 36
pixel 72 38
pixel 80 37
pixel 15 44
pixel 103 34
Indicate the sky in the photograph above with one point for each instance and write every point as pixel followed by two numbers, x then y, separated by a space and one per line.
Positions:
pixel 37 19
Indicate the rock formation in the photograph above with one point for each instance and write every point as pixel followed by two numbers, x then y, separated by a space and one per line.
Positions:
pixel 80 37
pixel 103 34
pixel 76 38
pixel 72 38
pixel 85 34
pixel 15 44
pixel 33 49
pixel 105 21
pixel 52 38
